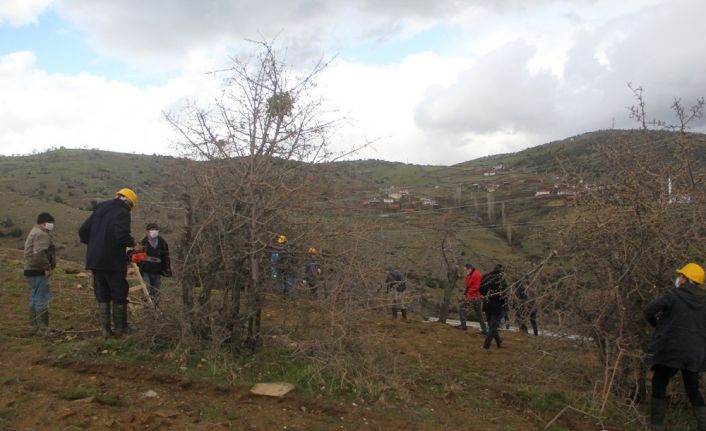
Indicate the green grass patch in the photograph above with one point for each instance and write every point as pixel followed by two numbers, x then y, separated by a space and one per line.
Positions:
pixel 542 401
pixel 77 394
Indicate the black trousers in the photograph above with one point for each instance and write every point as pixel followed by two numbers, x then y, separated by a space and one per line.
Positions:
pixel 111 286
pixel 663 374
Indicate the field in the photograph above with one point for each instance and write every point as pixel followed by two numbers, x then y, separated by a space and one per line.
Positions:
pixel 74 379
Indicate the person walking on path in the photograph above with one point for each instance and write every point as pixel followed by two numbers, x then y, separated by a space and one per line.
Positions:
pixel 678 343
pixel 107 234
pixel 39 262
pixel 158 263
pixel 494 290
pixel 472 299
pixel 525 308
pixel 396 284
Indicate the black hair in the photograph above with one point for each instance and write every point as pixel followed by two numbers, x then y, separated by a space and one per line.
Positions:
pixel 45 218
pixel 151 226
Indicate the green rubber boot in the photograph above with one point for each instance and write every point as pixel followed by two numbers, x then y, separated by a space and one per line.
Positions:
pixel 104 319
pixel 658 411
pixel 700 418
pixel 120 319
pixel 33 321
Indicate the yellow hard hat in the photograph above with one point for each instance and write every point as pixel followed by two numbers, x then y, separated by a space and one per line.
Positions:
pixel 693 272
pixel 312 250
pixel 130 196
pixel 281 239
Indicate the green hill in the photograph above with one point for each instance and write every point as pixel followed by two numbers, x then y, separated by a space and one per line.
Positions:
pixel 68 183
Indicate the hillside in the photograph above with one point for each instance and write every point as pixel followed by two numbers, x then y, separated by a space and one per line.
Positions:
pixel 68 182
pixel 76 380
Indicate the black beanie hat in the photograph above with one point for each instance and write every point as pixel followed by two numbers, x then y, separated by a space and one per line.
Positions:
pixel 152 226
pixel 45 218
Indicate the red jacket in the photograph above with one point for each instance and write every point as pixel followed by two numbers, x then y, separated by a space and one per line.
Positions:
pixel 473 285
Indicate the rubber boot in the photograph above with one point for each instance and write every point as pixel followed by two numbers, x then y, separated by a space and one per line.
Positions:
pixel 120 319
pixel 33 321
pixel 700 418
pixel 394 313
pixel 43 321
pixel 104 319
pixel 658 411
pixel 404 313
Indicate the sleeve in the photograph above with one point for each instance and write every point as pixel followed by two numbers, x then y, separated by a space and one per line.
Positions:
pixel 654 308
pixel 84 232
pixel 121 230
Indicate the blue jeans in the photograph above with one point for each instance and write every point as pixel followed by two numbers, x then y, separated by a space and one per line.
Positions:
pixel 493 330
pixel 285 284
pixel 39 292
pixel 153 282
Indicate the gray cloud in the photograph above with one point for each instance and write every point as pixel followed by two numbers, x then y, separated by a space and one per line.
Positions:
pixel 659 48
pixel 498 93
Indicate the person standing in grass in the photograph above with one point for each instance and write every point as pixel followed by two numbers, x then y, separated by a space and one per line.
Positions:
pixel 494 291
pixel 158 263
pixel 472 298
pixel 39 262
pixel 107 234
pixel 679 343
pixel 396 284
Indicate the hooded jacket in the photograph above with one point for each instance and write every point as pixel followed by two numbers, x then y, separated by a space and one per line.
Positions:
pixel 679 317
pixel 107 233
pixel 494 289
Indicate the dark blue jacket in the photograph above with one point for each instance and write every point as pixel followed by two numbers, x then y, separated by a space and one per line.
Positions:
pixel 680 336
pixel 107 233
pixel 163 265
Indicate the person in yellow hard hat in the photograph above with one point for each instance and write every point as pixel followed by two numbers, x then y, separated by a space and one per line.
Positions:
pixel 679 342
pixel 282 266
pixel 312 272
pixel 107 234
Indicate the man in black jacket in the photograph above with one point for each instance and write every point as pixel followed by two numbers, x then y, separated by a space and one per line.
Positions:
pixel 158 263
pixel 494 289
pixel 107 234
pixel 679 342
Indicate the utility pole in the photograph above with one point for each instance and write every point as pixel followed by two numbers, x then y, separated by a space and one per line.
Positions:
pixel 502 213
pixel 491 207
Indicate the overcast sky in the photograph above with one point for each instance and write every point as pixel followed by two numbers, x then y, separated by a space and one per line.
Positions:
pixel 434 82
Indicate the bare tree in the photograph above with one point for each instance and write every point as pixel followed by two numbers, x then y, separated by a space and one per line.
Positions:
pixel 250 155
pixel 632 226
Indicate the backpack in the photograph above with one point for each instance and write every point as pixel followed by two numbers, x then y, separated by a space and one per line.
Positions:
pixel 486 283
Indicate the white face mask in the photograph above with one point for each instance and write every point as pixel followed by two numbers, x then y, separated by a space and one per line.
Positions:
pixel 153 234
pixel 49 226
pixel 677 282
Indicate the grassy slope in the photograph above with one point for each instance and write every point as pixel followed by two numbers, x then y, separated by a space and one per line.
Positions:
pixel 449 382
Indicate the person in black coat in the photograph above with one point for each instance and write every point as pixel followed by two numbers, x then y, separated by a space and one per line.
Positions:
pixel 107 234
pixel 494 289
pixel 679 342
pixel 395 282
pixel 158 263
